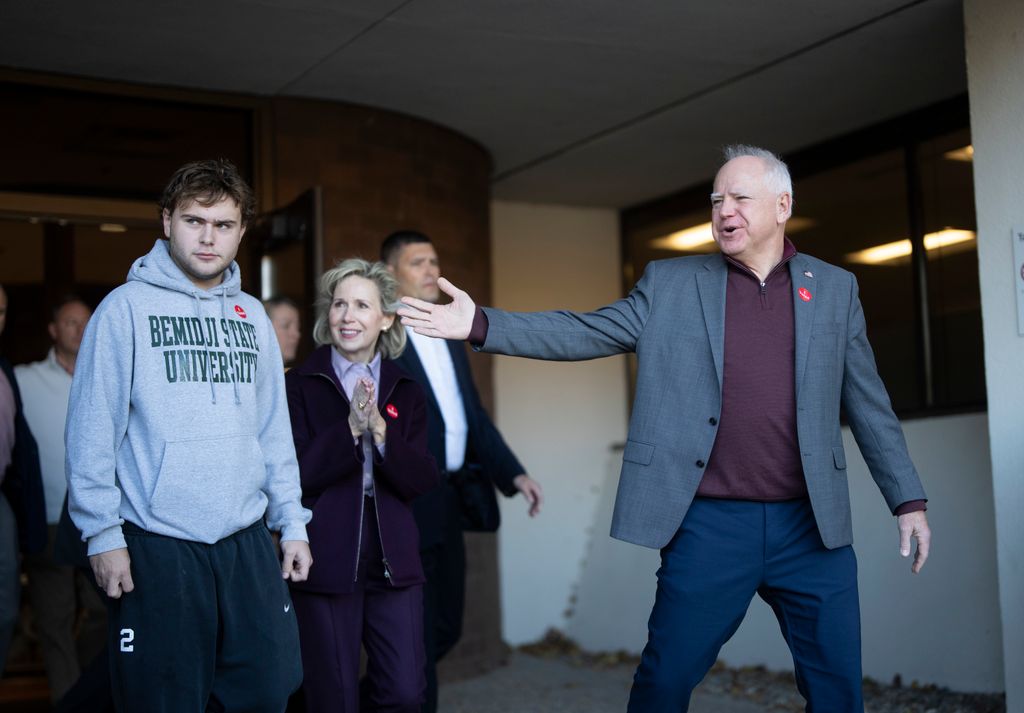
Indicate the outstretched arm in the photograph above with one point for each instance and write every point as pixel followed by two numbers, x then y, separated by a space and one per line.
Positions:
pixel 450 321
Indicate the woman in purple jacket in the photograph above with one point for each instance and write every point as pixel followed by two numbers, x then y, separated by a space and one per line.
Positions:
pixel 360 429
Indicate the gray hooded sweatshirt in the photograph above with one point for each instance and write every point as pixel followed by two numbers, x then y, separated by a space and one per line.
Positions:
pixel 178 420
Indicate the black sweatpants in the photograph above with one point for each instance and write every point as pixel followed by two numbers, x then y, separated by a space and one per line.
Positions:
pixel 207 628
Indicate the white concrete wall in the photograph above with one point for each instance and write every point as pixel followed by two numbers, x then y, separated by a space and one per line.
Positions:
pixel 994 32
pixel 564 571
pixel 560 419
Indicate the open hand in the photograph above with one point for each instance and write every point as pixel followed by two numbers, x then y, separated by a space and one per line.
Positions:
pixel 450 321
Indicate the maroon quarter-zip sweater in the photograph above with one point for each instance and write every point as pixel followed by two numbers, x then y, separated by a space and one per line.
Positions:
pixel 756 455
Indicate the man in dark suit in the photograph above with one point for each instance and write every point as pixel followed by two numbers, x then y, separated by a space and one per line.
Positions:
pixel 734 465
pixel 464 442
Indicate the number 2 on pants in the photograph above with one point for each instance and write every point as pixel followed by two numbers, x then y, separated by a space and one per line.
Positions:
pixel 127 637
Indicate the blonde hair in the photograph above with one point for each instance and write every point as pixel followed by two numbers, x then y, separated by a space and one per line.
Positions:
pixel 390 342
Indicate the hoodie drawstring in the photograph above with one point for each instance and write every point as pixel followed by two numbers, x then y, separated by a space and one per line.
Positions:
pixel 206 348
pixel 231 345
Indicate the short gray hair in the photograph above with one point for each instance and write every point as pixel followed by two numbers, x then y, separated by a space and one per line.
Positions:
pixel 390 343
pixel 776 177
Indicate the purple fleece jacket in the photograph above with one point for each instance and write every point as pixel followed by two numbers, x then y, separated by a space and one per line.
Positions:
pixel 331 471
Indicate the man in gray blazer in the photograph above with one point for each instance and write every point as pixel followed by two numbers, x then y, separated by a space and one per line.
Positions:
pixel 734 464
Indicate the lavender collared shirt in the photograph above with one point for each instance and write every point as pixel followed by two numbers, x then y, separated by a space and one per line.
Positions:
pixel 348 373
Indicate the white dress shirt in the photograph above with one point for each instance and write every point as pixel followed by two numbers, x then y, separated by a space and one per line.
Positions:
pixel 437 363
pixel 45 389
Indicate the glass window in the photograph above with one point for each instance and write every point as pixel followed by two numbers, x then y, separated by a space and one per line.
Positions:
pixel 954 295
pixel 843 216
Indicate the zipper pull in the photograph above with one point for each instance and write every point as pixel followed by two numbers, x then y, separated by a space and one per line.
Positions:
pixel 764 287
pixel 387 569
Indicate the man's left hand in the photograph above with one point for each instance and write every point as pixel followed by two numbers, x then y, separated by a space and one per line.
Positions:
pixel 295 560
pixel 915 525
pixel 531 490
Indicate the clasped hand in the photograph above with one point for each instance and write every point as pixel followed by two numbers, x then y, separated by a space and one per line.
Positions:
pixel 363 415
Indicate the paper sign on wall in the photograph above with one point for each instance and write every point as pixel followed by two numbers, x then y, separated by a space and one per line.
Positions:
pixel 1018 276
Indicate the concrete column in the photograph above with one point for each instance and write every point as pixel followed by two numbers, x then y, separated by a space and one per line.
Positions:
pixel 994 33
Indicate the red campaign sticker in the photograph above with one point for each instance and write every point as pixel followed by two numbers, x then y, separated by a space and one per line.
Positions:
pixel 239 311
pixel 392 411
pixel 805 294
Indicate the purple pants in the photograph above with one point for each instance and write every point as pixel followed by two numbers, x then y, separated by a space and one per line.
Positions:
pixel 386 621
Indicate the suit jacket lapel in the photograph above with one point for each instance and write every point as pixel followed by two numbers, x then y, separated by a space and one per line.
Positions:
pixel 711 286
pixel 410 361
pixel 463 375
pixel 803 312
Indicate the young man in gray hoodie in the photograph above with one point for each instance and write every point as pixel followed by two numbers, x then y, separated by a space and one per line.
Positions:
pixel 179 458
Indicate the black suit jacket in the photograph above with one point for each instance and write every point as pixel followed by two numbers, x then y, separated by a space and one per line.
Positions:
pixel 23 482
pixel 485 447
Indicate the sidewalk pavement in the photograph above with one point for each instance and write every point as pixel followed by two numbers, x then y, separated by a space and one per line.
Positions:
pixel 530 684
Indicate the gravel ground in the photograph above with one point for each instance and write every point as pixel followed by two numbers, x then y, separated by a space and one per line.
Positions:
pixel 553 675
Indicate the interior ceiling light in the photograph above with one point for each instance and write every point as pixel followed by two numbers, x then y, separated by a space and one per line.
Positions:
pixel 965 153
pixel 895 251
pixel 695 238
pixel 699 238
pixel 113 228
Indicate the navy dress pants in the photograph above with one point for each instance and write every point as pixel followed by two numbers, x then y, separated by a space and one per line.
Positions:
pixel 387 622
pixel 726 551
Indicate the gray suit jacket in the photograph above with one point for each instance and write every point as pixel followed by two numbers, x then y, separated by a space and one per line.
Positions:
pixel 674 319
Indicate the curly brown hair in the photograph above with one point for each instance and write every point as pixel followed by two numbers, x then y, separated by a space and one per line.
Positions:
pixel 208 182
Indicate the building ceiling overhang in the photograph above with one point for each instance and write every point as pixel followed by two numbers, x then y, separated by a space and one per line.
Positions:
pixel 585 102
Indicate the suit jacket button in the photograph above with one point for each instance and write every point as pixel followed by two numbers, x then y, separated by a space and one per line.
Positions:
pixel 700 464
pixel 713 421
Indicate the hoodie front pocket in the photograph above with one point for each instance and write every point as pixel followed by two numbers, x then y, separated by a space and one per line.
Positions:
pixel 208 481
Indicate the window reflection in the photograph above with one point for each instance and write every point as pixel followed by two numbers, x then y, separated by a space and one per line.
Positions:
pixel 954 294
pixel 858 207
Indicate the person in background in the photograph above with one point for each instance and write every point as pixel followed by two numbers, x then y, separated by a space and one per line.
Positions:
pixel 58 592
pixel 287 321
pixel 22 509
pixel 463 440
pixel 360 429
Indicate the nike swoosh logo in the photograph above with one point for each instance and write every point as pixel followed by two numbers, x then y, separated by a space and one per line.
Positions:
pixel 287 607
